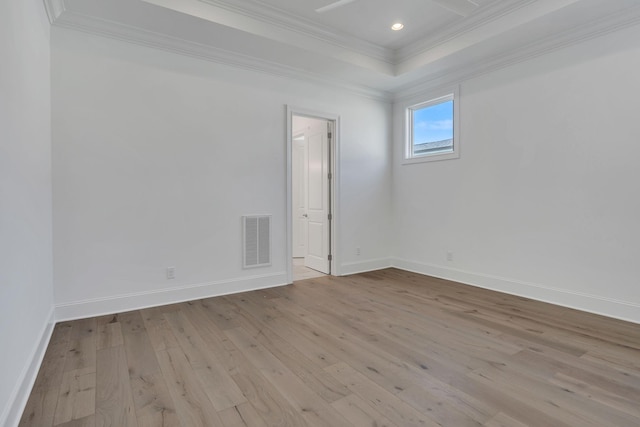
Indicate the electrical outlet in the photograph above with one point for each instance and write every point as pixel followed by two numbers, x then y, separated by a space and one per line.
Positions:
pixel 171 272
pixel 449 256
pixel 358 251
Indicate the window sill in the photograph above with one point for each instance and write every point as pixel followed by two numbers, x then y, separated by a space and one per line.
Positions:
pixel 431 158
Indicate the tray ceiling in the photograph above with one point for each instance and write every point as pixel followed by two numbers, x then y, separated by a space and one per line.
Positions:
pixel 352 44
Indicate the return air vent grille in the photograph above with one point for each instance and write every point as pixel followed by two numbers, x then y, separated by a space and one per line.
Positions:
pixel 256 233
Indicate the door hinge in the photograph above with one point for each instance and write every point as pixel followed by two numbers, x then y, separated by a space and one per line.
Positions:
pixel 330 176
pixel 329 135
pixel 330 257
pixel 330 216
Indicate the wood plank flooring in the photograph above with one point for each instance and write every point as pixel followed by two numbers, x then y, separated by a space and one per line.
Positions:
pixel 387 348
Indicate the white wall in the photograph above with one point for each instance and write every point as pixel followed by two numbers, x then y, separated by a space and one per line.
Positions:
pixel 156 157
pixel 545 199
pixel 26 295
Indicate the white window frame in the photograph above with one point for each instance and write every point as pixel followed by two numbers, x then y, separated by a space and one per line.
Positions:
pixel 433 99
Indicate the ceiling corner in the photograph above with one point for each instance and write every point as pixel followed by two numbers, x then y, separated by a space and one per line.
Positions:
pixel 54 9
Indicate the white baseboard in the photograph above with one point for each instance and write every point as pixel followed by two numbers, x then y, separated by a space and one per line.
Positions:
pixel 139 300
pixel 18 400
pixel 596 304
pixel 364 266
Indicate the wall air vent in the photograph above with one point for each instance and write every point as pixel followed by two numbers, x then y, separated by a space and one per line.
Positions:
pixel 256 236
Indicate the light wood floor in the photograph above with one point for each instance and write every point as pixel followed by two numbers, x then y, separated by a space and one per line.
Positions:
pixel 300 272
pixel 387 348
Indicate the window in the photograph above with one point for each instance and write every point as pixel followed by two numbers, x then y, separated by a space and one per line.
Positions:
pixel 432 130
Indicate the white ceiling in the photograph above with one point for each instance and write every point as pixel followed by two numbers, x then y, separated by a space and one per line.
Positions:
pixel 370 20
pixel 352 45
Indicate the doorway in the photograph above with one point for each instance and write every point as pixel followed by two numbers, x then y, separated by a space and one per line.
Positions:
pixel 312 138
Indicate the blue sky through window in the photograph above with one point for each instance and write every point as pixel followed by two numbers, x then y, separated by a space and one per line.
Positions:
pixel 433 123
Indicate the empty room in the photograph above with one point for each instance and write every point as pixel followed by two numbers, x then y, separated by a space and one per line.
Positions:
pixel 320 213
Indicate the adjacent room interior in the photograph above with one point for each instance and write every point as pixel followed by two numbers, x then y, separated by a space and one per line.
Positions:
pixel 452 185
pixel 311 195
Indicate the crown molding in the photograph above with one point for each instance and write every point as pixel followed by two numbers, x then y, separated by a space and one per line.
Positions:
pixel 291 22
pixel 482 17
pixel 396 89
pixel 219 18
pixel 553 42
pixel 54 9
pixel 135 35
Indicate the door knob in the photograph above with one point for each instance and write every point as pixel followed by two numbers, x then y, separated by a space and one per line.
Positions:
pixel 305 215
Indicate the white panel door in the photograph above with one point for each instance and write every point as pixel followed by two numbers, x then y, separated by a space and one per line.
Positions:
pixel 317 154
pixel 299 197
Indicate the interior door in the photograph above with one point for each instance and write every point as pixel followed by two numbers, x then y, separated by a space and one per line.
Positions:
pixel 318 200
pixel 299 196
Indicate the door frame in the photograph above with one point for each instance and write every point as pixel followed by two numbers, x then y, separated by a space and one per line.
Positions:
pixel 334 186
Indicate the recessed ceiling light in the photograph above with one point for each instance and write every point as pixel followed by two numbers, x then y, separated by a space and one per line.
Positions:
pixel 397 26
